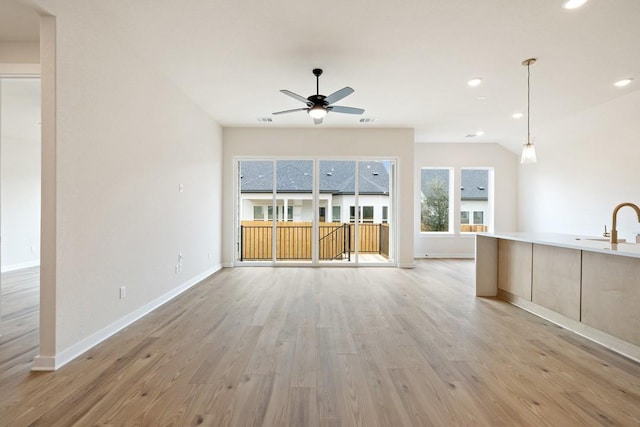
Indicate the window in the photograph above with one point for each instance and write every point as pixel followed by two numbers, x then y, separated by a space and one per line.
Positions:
pixel 435 205
pixel 335 214
pixel 385 214
pixel 258 213
pixel 280 213
pixel 464 217
pixel 365 214
pixel 476 199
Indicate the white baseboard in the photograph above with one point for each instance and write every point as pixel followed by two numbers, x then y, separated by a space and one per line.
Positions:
pixel 616 344
pixel 407 265
pixel 13 267
pixel 52 363
pixel 44 363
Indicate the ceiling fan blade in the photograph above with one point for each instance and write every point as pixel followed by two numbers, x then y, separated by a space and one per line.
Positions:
pixel 346 110
pixel 295 96
pixel 317 121
pixel 290 111
pixel 338 95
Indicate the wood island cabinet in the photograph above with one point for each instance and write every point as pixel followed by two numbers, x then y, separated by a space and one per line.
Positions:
pixel 611 295
pixel 556 279
pixel 514 268
pixel 586 285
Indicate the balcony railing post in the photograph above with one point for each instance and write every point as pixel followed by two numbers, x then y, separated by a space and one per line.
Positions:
pixel 348 229
pixel 240 243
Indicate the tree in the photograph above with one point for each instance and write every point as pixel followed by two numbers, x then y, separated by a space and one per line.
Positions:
pixel 434 215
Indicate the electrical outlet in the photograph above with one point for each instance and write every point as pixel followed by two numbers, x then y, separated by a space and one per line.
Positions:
pixel 123 292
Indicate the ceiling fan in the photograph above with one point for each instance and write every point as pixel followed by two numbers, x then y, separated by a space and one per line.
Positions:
pixel 319 105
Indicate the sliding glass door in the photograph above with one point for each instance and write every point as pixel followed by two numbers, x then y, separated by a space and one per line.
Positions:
pixel 255 211
pixel 315 211
pixel 294 210
pixel 336 185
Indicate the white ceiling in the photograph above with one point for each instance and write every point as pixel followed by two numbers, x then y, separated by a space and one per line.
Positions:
pixel 408 60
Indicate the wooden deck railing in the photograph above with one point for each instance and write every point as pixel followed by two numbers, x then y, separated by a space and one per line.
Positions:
pixel 466 228
pixel 293 240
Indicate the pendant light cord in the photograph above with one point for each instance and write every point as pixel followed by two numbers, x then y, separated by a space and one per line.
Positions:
pixel 528 104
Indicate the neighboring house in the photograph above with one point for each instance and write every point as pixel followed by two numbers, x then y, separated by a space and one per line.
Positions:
pixel 294 184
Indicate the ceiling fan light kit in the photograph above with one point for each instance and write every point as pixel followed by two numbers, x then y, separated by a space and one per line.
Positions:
pixel 317 112
pixel 319 105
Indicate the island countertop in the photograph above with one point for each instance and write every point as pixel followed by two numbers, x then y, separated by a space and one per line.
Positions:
pixel 585 243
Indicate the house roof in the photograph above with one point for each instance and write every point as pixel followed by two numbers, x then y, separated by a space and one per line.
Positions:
pixel 474 182
pixel 296 176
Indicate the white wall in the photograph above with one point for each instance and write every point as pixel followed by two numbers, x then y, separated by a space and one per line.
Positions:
pixel 20 173
pixel 330 144
pixel 587 164
pixel 457 156
pixel 126 140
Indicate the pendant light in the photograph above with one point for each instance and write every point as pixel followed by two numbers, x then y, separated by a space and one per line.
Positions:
pixel 528 150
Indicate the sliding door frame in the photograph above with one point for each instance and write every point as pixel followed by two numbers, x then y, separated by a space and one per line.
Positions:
pixel 315 262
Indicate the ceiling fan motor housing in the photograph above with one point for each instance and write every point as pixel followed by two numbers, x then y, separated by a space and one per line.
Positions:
pixel 317 100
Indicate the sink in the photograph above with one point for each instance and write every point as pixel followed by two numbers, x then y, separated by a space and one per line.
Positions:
pixel 600 239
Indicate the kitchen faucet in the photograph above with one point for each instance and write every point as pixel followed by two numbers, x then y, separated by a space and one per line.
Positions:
pixel 614 231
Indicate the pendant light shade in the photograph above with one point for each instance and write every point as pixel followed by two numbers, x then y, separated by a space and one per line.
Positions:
pixel 528 153
pixel 528 150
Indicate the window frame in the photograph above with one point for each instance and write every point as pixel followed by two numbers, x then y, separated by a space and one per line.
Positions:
pixel 451 199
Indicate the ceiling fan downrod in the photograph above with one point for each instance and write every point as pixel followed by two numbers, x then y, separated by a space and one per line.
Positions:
pixel 317 72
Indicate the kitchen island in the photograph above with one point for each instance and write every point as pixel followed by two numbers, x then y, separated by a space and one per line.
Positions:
pixel 584 284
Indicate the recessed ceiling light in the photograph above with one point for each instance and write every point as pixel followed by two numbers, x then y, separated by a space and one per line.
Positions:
pixel 482 98
pixel 517 115
pixel 573 4
pixel 480 133
pixel 474 82
pixel 622 83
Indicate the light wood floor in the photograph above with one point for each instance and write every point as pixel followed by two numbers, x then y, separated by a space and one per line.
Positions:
pixel 323 346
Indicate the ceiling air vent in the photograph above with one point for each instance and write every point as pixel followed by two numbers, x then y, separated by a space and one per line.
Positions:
pixel 367 120
pixel 264 119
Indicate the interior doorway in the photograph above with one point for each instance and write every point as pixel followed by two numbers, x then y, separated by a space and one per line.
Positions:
pixel 20 178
